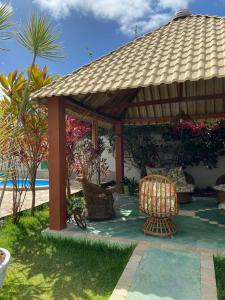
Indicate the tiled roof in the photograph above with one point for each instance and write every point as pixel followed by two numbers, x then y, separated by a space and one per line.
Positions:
pixel 189 48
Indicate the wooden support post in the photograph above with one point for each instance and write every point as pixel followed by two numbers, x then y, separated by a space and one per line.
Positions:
pixel 119 157
pixel 94 134
pixel 57 163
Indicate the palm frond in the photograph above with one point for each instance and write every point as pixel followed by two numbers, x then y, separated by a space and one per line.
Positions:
pixel 5 14
pixel 40 37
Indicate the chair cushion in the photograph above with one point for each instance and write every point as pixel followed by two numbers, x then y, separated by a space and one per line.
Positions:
pixel 186 188
pixel 220 187
pixel 157 198
pixel 156 171
pixel 175 174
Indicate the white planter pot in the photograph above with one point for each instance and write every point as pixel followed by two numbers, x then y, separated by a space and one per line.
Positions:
pixel 4 265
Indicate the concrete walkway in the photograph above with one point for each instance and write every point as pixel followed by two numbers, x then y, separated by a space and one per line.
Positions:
pixel 166 274
pixel 155 272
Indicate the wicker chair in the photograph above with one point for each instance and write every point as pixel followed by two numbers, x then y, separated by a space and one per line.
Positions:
pixel 158 199
pixel 220 192
pixel 99 202
pixel 186 197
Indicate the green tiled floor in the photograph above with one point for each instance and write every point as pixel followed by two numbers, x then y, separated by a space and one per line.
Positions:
pixel 128 206
pixel 217 215
pixel 191 231
pixel 166 275
pixel 200 203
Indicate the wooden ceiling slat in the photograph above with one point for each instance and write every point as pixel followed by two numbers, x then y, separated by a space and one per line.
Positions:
pixel 177 100
pixel 159 120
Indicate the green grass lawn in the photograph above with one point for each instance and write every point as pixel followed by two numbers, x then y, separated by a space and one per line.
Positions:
pixel 49 268
pixel 219 263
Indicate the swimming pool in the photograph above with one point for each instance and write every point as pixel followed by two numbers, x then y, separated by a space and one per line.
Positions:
pixel 40 184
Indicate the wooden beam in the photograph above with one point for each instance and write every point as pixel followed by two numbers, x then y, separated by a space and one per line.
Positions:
pixel 168 119
pixel 119 156
pixel 176 100
pixel 80 108
pixel 118 103
pixel 57 163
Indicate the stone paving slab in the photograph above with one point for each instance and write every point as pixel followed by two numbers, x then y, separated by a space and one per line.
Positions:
pixel 166 275
pixel 42 196
pixel 7 203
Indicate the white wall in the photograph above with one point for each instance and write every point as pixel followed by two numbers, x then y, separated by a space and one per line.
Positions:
pixel 203 177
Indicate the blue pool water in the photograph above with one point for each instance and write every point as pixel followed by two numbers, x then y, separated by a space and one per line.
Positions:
pixel 26 183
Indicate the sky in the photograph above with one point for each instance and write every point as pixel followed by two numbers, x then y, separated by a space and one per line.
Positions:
pixel 89 29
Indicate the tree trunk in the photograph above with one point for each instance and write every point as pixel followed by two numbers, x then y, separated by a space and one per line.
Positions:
pixel 33 198
pixel 33 189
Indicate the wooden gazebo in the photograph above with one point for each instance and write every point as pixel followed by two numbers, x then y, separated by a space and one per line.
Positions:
pixel 179 67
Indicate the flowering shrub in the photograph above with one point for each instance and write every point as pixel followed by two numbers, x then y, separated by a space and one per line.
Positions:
pixel 197 142
pixel 186 143
pixel 190 126
pixel 88 161
pixel 82 157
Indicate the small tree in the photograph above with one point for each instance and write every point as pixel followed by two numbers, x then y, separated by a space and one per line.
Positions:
pixel 76 131
pixel 88 161
pixel 19 171
pixel 32 147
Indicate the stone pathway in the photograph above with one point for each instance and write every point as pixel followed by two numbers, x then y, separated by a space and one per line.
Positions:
pixel 166 274
pixel 155 272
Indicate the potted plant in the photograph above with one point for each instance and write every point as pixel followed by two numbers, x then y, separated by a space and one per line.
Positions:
pixel 126 182
pixel 78 205
pixel 132 185
pixel 75 205
pixel 4 261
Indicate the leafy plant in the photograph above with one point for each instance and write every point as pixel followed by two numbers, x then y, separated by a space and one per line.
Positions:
pixel 131 184
pixel 40 38
pixel 74 203
pixel 31 147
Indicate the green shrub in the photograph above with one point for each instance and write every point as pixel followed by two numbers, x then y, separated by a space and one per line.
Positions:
pixel 30 225
pixel 219 263
pixel 74 203
pixel 43 217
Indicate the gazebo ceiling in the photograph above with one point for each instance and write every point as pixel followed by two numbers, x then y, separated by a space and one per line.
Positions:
pixel 178 67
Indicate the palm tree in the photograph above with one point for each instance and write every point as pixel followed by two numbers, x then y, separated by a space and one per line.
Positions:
pixel 5 15
pixel 39 37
